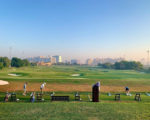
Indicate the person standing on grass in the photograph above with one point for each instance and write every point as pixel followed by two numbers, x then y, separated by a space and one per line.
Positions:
pixel 127 90
pixel 42 87
pixel 99 85
pixel 25 89
pixel 7 97
pixel 32 99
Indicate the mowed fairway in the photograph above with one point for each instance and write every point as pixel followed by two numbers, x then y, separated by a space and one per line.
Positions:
pixel 61 78
pixel 66 80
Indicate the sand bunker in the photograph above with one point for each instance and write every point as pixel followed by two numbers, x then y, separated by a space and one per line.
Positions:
pixel 76 78
pixel 75 75
pixel 2 82
pixel 15 75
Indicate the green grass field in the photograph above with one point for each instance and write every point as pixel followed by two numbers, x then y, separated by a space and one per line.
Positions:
pixel 74 111
pixel 88 75
pixel 106 109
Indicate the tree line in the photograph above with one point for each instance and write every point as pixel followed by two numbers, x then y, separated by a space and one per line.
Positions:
pixel 123 65
pixel 14 62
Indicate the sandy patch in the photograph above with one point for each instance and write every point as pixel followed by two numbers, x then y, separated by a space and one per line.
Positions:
pixel 18 86
pixel 77 78
pixel 15 75
pixel 2 82
pixel 75 75
pixel 142 72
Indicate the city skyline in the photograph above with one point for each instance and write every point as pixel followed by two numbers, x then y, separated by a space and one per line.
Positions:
pixel 75 29
pixel 58 59
pixel 92 61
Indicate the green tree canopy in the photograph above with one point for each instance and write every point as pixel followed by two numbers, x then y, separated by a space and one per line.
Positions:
pixel 128 65
pixel 123 65
pixel 26 62
pixel 5 61
pixel 106 65
pixel 16 62
pixel 1 65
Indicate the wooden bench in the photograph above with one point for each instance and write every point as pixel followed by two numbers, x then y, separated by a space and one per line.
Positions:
pixel 39 97
pixel 138 97
pixel 117 96
pixel 59 98
pixel 13 97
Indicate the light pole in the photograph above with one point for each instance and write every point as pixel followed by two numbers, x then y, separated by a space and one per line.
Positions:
pixel 10 52
pixel 148 58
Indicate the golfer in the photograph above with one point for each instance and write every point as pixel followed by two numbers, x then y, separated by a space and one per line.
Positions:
pixel 25 89
pixel 32 99
pixel 42 87
pixel 127 90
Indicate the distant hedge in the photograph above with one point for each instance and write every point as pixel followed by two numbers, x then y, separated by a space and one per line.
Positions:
pixel 17 62
pixel 4 62
pixel 123 65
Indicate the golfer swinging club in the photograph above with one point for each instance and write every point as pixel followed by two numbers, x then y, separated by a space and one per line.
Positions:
pixel 42 87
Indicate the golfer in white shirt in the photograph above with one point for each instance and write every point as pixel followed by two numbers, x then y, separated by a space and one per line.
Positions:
pixel 42 87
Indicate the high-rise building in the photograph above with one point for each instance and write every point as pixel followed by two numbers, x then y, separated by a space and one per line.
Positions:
pixel 39 59
pixel 53 60
pixel 74 61
pixel 58 59
pixel 67 62
pixel 89 61
pixel 96 61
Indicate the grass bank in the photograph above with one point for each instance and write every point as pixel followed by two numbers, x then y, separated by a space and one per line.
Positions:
pixel 74 111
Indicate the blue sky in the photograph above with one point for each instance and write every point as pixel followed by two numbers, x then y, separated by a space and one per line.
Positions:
pixel 75 28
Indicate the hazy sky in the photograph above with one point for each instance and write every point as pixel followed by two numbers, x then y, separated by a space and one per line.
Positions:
pixel 75 28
